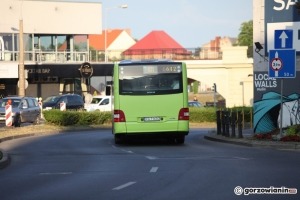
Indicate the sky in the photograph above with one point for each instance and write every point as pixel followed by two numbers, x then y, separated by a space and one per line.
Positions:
pixel 192 23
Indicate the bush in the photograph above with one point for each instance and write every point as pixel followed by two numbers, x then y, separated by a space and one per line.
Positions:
pixel 293 130
pixel 94 118
pixel 202 114
pixel 67 118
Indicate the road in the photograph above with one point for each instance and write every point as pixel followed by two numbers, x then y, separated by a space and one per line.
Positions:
pixel 89 166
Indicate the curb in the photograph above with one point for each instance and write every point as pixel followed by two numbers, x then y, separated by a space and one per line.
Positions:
pixel 274 145
pixel 5 159
pixel 228 141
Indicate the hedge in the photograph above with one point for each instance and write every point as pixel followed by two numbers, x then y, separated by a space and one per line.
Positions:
pixel 67 118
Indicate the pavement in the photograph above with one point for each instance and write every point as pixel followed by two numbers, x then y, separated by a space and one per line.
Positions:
pixel 246 140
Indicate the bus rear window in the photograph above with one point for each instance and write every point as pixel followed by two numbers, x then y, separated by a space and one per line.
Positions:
pixel 150 79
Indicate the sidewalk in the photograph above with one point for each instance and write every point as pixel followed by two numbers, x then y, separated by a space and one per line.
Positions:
pixel 249 141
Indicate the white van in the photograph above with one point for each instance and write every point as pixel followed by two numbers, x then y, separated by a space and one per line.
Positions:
pixel 99 103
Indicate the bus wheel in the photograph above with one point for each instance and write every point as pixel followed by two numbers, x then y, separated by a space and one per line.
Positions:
pixel 179 139
pixel 118 139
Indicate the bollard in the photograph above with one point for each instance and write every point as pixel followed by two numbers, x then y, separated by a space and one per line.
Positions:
pixel 233 123
pixel 219 124
pixel 63 106
pixel 41 107
pixel 240 124
pixel 223 123
pixel 8 115
pixel 227 123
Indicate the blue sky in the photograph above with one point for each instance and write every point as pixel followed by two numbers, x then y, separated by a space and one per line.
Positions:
pixel 191 23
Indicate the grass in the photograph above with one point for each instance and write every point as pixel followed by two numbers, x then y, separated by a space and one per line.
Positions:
pixel 44 129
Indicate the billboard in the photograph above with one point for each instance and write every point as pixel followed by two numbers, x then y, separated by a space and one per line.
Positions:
pixel 276 66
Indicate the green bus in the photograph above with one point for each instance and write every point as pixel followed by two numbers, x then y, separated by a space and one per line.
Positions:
pixel 150 97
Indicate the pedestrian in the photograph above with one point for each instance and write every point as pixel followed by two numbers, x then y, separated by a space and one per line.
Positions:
pixel 195 98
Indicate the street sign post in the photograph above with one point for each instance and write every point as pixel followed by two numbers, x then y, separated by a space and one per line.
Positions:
pixel 282 63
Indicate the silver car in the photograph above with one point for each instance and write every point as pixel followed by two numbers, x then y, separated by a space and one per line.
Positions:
pixel 24 110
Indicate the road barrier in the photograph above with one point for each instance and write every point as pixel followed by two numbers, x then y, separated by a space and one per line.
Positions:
pixel 8 115
pixel 62 106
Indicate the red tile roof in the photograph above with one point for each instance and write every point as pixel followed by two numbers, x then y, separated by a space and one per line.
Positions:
pixel 153 42
pixel 98 41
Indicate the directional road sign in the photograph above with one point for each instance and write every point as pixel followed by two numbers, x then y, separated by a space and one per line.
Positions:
pixel 282 63
pixel 275 30
pixel 283 39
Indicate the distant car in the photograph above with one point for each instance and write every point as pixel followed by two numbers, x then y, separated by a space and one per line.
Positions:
pixel 24 110
pixel 99 103
pixel 72 101
pixel 195 104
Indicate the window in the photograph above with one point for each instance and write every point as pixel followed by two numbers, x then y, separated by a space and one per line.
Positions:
pixel 105 102
pixel 150 79
pixel 24 103
pixel 31 103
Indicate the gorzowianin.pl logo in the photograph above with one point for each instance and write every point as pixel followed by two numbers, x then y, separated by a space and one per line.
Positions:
pixel 238 190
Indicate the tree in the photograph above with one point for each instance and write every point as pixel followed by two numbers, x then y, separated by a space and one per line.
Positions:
pixel 245 37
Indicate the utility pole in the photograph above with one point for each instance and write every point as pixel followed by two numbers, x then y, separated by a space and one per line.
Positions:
pixel 21 61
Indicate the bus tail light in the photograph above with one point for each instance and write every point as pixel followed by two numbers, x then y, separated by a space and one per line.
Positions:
pixel 119 116
pixel 184 114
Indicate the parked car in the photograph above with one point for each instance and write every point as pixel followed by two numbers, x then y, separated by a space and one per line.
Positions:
pixel 195 104
pixel 24 110
pixel 99 103
pixel 72 101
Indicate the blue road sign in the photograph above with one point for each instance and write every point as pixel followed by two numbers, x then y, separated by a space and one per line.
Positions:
pixel 283 39
pixel 282 63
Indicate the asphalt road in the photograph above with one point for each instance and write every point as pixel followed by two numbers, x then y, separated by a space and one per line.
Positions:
pixel 89 166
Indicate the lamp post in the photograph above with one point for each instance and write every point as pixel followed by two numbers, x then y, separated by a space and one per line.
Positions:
pixel 123 6
pixel 21 61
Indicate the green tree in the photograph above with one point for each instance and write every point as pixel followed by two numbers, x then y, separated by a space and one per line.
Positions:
pixel 245 37
pixel 195 87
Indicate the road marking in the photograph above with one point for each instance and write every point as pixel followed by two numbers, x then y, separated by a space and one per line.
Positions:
pixel 124 186
pixel 241 158
pixel 151 157
pixel 55 173
pixel 127 151
pixel 153 169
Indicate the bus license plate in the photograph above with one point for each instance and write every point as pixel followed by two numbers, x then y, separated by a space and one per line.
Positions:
pixel 151 119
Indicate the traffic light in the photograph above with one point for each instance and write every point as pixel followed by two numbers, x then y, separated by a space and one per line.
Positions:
pixel 214 87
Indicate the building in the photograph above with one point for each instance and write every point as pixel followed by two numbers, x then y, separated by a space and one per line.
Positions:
pixel 276 95
pixel 213 49
pixel 56 46
pixel 118 40
pixel 64 55
pixel 157 45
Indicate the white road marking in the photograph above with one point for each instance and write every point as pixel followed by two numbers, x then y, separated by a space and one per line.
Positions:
pixel 55 173
pixel 127 151
pixel 153 169
pixel 124 185
pixel 241 158
pixel 151 157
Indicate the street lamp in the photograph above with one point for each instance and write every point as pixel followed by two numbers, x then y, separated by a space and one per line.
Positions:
pixel 124 6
